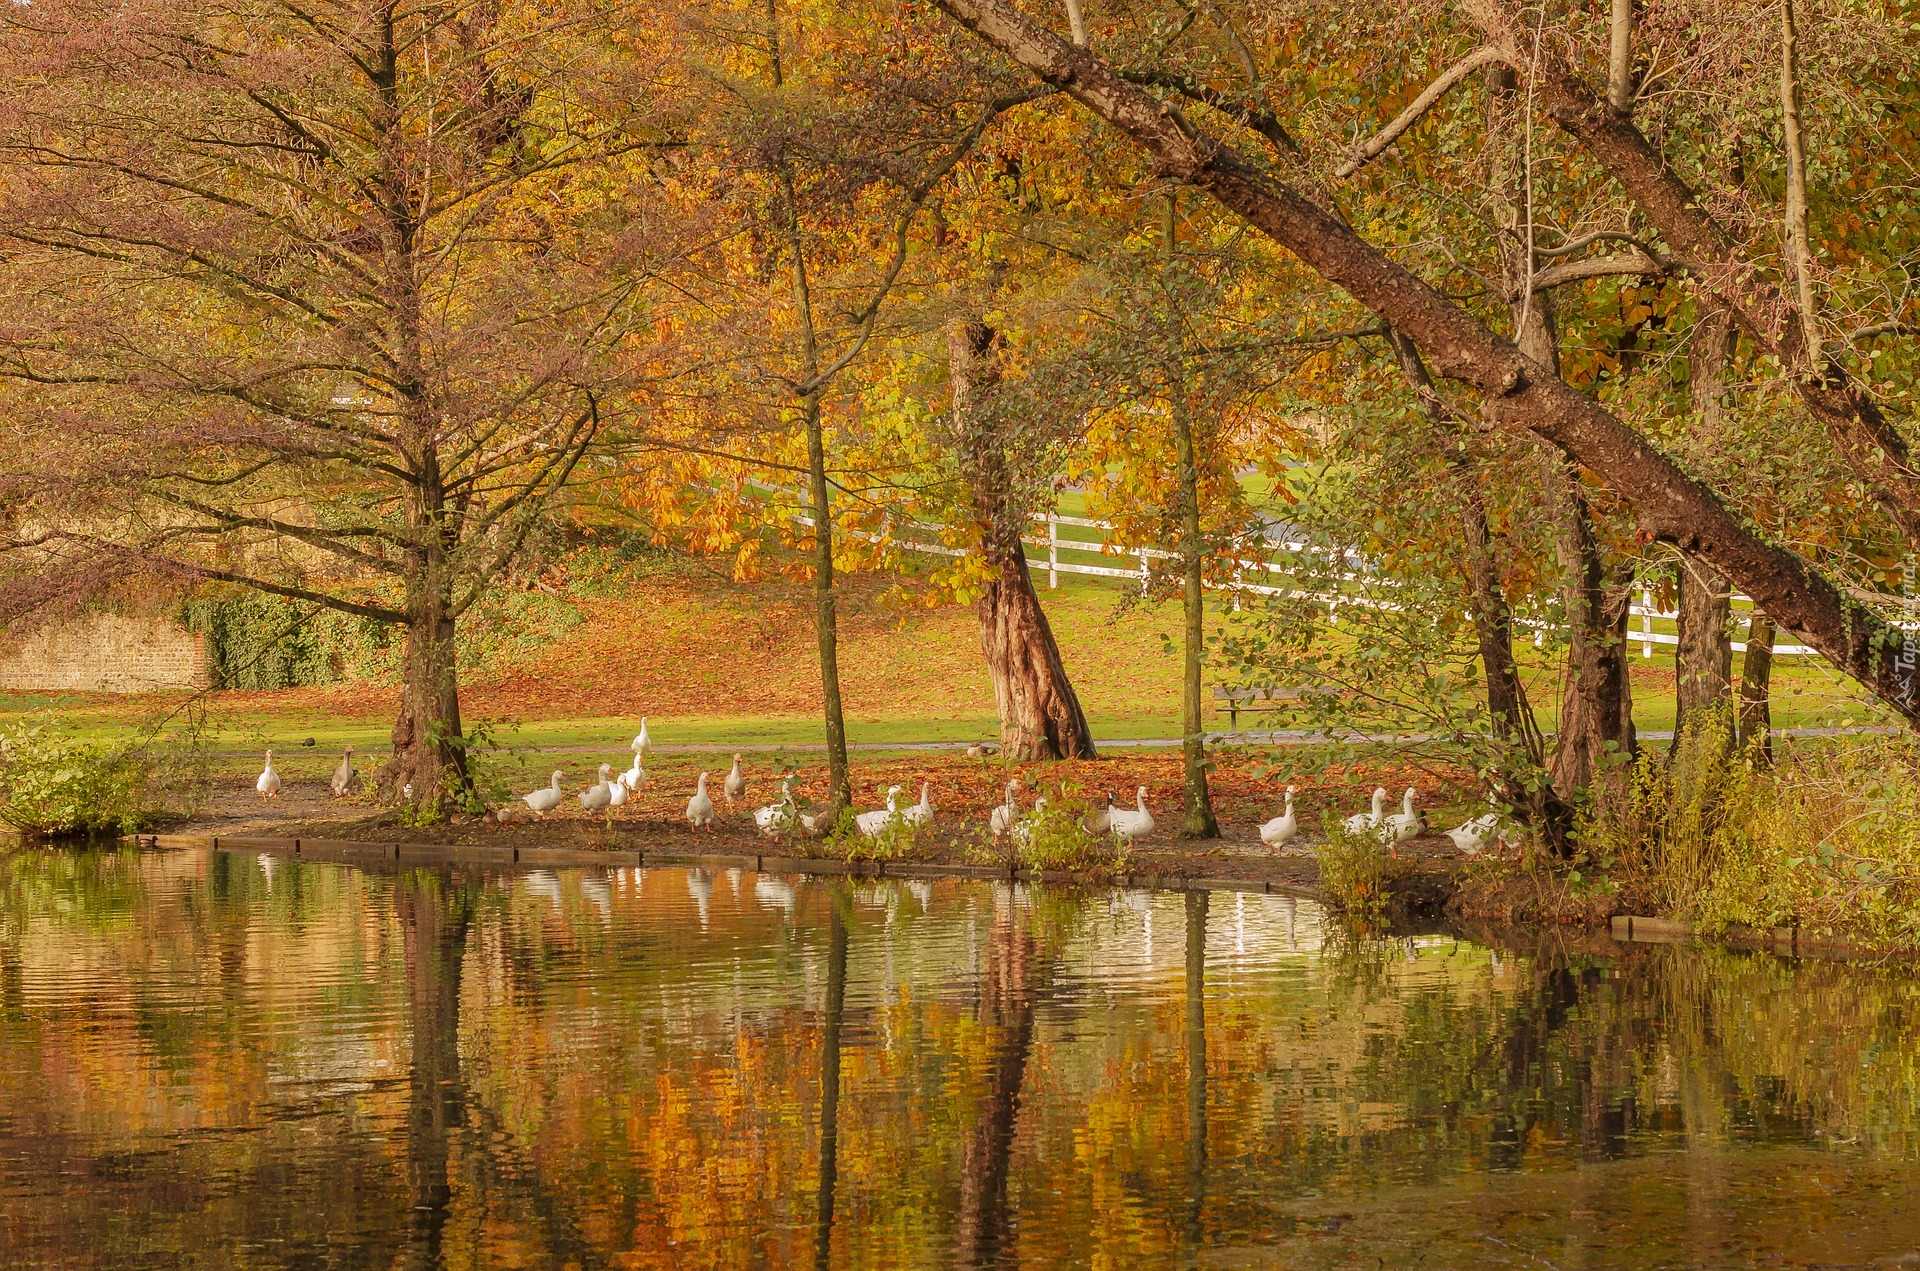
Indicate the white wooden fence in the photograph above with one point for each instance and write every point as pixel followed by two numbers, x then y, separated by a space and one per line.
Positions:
pixel 1053 545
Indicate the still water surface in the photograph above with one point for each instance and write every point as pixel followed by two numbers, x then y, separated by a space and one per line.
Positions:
pixel 220 1059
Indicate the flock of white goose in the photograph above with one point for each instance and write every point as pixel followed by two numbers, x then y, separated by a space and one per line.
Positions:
pixel 1007 818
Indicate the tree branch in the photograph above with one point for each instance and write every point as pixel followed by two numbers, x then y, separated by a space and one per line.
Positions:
pixel 1370 150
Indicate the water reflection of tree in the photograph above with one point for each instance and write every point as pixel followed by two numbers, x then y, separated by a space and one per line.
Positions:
pixel 435 910
pixel 1005 1006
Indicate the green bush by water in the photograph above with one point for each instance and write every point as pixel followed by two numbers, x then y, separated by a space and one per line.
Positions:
pixel 1056 838
pixel 1826 838
pixel 1355 870
pixel 52 783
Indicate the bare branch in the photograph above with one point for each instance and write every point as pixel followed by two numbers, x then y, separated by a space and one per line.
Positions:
pixel 1370 150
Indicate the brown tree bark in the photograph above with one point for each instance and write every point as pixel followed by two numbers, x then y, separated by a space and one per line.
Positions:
pixel 1040 714
pixel 1595 732
pixel 1520 396
pixel 1756 674
pixel 1006 1006
pixel 1703 660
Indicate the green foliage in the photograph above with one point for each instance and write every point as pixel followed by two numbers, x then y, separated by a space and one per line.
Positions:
pixel 54 783
pixel 259 641
pixel 1056 837
pixel 1355 870
pixel 898 840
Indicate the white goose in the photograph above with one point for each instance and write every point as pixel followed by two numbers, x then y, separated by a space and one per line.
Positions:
pixel 617 794
pixel 735 786
pixel 598 796
pixel 1404 824
pixel 634 778
pixel 871 823
pixel 1470 837
pixel 776 817
pixel 1280 831
pixel 269 783
pixel 641 740
pixel 546 799
pixel 1132 823
pixel 920 813
pixel 1005 814
pixel 343 775
pixel 1101 822
pixel 700 807
pixel 1365 822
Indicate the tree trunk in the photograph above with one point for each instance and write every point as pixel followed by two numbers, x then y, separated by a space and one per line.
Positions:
pixel 1040 715
pixel 1199 821
pixel 1595 734
pixel 825 611
pixel 1703 660
pixel 429 751
pixel 1756 672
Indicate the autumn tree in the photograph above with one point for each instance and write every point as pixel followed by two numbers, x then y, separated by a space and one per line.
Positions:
pixel 328 302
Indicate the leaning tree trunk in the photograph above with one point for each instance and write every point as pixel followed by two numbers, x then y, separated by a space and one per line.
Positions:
pixel 1040 715
pixel 1703 659
pixel 1756 674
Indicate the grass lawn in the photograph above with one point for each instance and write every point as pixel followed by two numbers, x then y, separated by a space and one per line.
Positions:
pixel 715 663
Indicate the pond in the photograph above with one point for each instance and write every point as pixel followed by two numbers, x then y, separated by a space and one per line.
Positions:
pixel 222 1059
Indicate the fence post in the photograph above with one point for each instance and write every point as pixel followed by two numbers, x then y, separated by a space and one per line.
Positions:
pixel 1146 572
pixel 1646 622
pixel 1053 551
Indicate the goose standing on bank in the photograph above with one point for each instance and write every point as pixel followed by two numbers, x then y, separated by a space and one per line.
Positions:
pixel 1366 822
pixel 700 807
pixel 1404 824
pixel 616 793
pixel 343 775
pixel 634 778
pixel 1134 822
pixel 921 813
pixel 1280 831
pixel 1005 814
pixel 547 798
pixel 871 823
pixel 596 797
pixel 735 786
pixel 269 783
pixel 641 740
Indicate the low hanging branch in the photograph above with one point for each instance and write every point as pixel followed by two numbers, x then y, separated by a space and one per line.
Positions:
pixel 1520 395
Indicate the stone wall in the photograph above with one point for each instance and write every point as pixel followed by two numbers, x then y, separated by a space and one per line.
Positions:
pixel 104 653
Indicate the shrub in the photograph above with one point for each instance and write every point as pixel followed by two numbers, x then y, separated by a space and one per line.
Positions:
pixel 53 783
pixel 1355 870
pixel 255 640
pixel 896 841
pixel 1056 837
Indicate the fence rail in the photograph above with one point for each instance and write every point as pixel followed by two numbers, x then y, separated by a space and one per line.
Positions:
pixel 1053 545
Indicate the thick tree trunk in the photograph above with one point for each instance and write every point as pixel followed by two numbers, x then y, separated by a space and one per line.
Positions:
pixel 429 751
pixel 1040 715
pixel 1520 396
pixel 1703 660
pixel 1756 674
pixel 1595 732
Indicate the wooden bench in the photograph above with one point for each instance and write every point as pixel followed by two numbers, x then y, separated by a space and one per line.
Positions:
pixel 1235 700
